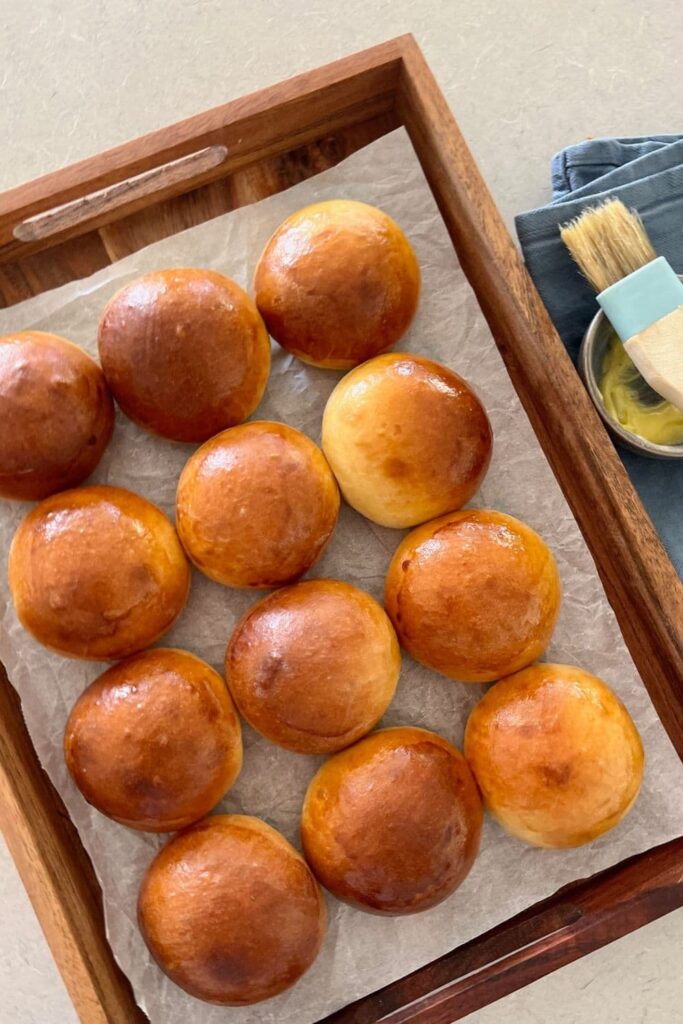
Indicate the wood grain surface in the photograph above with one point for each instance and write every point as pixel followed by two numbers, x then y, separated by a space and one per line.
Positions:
pixel 273 139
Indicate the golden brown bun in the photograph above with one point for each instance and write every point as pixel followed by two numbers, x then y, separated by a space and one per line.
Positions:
pixel 556 755
pixel 474 595
pixel 313 667
pixel 56 415
pixel 256 505
pixel 407 439
pixel 392 824
pixel 337 283
pixel 231 912
pixel 185 352
pixel 97 572
pixel 155 741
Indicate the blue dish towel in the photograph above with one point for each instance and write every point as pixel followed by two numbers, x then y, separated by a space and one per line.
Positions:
pixel 647 175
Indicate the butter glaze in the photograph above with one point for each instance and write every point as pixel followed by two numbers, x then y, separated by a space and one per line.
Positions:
pixel 630 401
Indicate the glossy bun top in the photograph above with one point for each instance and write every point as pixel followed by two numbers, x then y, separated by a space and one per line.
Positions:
pixel 337 283
pixel 474 595
pixel 97 572
pixel 313 667
pixel 392 824
pixel 407 439
pixel 556 755
pixel 155 741
pixel 56 415
pixel 185 352
pixel 231 912
pixel 256 505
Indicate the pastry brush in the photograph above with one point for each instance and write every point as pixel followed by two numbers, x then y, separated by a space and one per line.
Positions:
pixel 639 291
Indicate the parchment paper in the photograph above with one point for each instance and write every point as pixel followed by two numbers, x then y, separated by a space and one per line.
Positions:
pixel 361 952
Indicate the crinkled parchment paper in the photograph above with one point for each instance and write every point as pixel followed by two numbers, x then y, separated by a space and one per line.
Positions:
pixel 361 952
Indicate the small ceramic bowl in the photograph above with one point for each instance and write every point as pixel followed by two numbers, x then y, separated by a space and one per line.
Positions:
pixel 591 356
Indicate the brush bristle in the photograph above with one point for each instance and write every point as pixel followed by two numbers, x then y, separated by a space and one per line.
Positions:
pixel 608 242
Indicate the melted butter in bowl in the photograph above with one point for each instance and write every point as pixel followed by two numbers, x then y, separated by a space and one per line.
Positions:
pixel 631 401
pixel 636 417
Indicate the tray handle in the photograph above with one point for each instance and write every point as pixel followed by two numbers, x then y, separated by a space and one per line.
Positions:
pixel 309 106
pixel 106 200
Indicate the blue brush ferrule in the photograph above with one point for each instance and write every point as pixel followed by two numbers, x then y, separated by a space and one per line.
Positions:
pixel 642 298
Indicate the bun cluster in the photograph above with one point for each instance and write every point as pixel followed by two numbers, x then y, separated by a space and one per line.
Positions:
pixel 392 819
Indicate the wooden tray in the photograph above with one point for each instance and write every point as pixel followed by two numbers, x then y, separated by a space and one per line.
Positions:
pixel 68 224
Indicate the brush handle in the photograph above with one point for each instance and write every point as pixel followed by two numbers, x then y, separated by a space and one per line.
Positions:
pixel 642 298
pixel 657 353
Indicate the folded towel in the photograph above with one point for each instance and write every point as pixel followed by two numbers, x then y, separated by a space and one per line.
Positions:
pixel 647 175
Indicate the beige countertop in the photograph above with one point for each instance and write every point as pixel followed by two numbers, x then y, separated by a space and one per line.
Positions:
pixel 524 78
